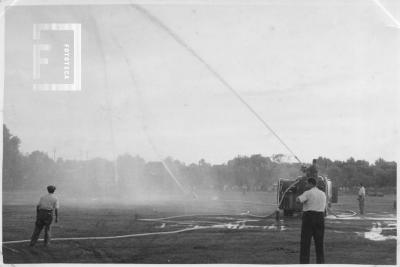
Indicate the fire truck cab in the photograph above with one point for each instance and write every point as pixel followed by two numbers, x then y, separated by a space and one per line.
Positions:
pixel 286 196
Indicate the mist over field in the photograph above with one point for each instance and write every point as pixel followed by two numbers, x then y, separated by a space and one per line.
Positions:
pixel 133 179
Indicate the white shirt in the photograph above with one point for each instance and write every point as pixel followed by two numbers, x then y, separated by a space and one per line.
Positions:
pixel 313 199
pixel 48 202
pixel 361 192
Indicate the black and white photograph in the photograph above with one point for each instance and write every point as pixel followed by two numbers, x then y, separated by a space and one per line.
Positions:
pixel 200 132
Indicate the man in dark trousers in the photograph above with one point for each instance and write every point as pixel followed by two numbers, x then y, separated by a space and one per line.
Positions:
pixel 313 224
pixel 44 215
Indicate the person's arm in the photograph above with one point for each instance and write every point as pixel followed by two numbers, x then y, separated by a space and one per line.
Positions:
pixel 56 214
pixel 302 198
pixel 38 205
pixel 56 207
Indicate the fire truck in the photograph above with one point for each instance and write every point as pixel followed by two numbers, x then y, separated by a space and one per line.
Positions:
pixel 289 189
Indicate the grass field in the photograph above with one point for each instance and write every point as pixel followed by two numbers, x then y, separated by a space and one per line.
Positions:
pixel 222 230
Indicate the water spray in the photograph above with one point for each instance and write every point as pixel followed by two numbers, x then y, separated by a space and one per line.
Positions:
pixel 144 127
pixel 191 51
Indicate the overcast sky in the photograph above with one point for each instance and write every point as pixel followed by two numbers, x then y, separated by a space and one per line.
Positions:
pixel 323 74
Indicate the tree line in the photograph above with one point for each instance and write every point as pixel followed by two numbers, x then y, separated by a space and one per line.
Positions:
pixel 128 174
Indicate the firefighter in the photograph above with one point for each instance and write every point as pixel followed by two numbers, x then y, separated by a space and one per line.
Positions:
pixel 313 222
pixel 311 171
pixel 44 215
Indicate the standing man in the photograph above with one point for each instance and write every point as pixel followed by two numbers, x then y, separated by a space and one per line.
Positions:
pixel 361 198
pixel 313 222
pixel 44 215
pixel 311 172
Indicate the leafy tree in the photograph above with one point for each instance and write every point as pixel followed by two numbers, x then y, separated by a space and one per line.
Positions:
pixel 96 176
pixel 12 161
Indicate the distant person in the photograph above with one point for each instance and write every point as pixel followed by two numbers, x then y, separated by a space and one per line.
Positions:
pixel 311 171
pixel 44 215
pixel 313 222
pixel 361 198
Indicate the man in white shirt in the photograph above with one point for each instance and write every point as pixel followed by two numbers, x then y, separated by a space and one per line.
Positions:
pixel 44 215
pixel 313 223
pixel 361 198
